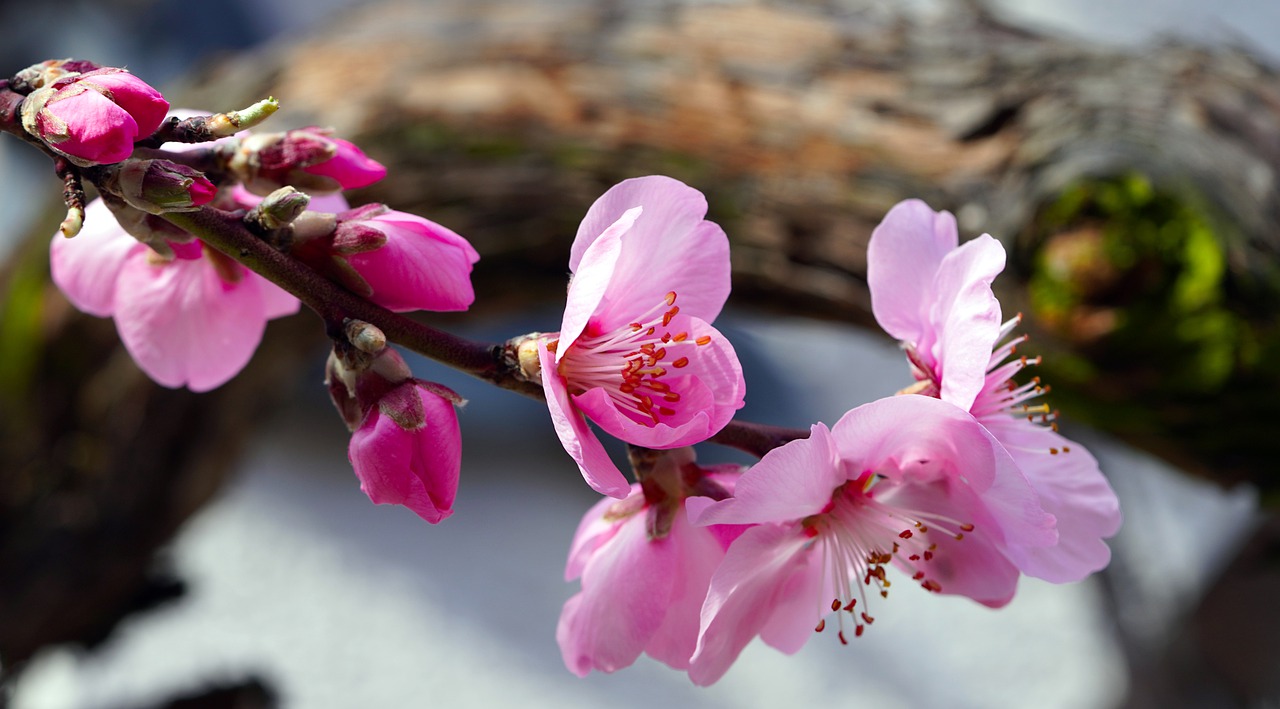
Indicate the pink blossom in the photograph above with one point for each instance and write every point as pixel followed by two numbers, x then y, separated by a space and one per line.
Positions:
pixel 406 447
pixel 193 320
pixel 645 571
pixel 95 117
pixel 636 352
pixel 909 482
pixel 935 296
pixel 406 262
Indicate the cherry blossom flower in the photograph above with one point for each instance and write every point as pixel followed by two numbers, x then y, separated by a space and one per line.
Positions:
pixel 636 352
pixel 909 482
pixel 935 297
pixel 94 117
pixel 193 320
pixel 406 446
pixel 645 571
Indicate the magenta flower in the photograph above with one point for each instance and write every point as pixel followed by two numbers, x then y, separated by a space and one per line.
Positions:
pixel 310 159
pixel 406 446
pixel 645 571
pixel 936 298
pixel 402 261
pixel 636 352
pixel 95 117
pixel 194 320
pixel 909 482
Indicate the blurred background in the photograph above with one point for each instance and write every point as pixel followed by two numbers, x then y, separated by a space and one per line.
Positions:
pixel 163 549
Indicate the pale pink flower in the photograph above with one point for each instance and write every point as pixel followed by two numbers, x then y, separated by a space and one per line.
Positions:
pixel 645 571
pixel 636 352
pixel 935 296
pixel 406 446
pixel 194 320
pixel 96 116
pixel 909 482
pixel 405 262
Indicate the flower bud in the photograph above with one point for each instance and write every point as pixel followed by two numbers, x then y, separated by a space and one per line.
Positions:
pixel 405 446
pixel 92 117
pixel 307 158
pixel 159 186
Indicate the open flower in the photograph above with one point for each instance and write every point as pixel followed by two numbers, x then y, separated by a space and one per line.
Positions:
pixel 406 447
pixel 935 297
pixel 94 117
pixel 644 570
pixel 909 482
pixel 191 320
pixel 636 352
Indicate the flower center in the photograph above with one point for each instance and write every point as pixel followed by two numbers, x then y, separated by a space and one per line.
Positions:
pixel 859 535
pixel 629 363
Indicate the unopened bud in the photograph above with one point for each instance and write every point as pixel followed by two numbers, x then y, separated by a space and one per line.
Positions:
pixel 365 336
pixel 38 76
pixel 160 186
pixel 522 351
pixel 278 209
pixel 73 222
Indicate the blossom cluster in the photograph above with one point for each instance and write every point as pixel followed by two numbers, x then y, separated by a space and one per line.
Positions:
pixel 959 483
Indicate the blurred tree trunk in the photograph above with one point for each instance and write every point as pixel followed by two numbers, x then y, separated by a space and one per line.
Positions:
pixel 503 119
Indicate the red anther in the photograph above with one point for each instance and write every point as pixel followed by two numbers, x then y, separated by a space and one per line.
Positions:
pixel 913 557
pixel 660 387
pixel 919 575
pixel 665 411
pixel 666 337
pixel 1053 451
pixel 648 348
pixel 627 388
pixel 869 620
pixel 680 337
pixel 671 298
pixel 835 604
pixel 923 529
pixel 843 640
pixel 966 527
pixel 635 327
pixel 932 585
pixel 857 631
pixel 852 603
pixel 821 625
pixel 646 402
pixel 704 340
pixel 682 362
pixel 650 331
pixel 660 353
pixel 669 315
pixel 928 556
pixel 905 534
pixel 1066 449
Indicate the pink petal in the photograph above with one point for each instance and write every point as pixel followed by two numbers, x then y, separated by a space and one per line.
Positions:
pixel 790 482
pixel 591 279
pixel 594 531
pixel 576 436
pixel 1071 488
pixel 699 554
pixel 143 103
pixel 350 167
pixel 276 302
pixel 670 248
pixel 97 129
pixel 184 325
pixel 974 566
pixel 966 317
pixel 902 257
pixel 625 591
pixel 422 266
pixel 752 580
pixel 87 267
